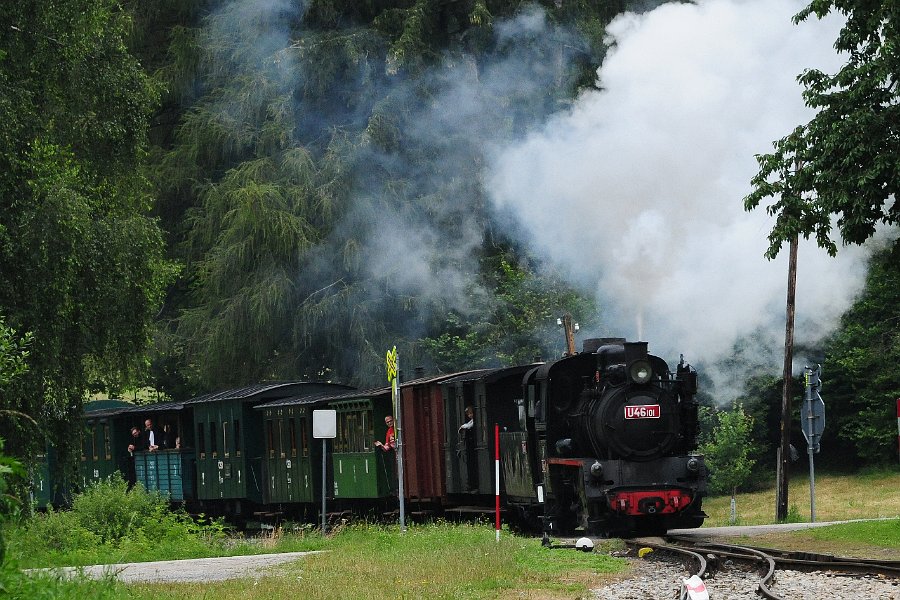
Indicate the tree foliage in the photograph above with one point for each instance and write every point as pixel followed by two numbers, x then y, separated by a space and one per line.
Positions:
pixel 862 378
pixel 515 324
pixel 844 162
pixel 302 140
pixel 728 452
pixel 13 354
pixel 82 262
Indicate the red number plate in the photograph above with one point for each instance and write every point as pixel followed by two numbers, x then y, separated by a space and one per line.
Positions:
pixel 642 411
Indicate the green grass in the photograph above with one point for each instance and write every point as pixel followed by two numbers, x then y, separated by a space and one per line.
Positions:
pixel 438 560
pixel 874 494
pixel 428 561
pixel 869 539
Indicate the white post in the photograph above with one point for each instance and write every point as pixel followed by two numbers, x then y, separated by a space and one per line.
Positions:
pixel 395 393
pixel 324 480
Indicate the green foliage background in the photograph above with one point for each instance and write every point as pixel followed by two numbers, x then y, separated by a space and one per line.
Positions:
pixel 201 194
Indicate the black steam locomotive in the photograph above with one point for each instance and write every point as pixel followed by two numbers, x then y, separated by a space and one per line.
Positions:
pixel 614 432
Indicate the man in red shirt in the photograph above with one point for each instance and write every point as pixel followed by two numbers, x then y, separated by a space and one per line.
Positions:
pixel 390 441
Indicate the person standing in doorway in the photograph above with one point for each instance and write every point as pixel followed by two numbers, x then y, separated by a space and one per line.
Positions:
pixel 468 429
pixel 130 469
pixel 390 441
pixel 389 448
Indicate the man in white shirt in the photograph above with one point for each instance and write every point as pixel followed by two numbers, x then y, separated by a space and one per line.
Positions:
pixel 150 436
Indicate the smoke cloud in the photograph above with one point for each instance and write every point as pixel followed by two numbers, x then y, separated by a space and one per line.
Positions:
pixel 637 189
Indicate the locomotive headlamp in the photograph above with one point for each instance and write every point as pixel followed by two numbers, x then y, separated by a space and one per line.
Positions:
pixel 693 464
pixel 640 371
pixel 596 469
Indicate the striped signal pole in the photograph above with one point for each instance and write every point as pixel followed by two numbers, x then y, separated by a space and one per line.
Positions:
pixel 497 474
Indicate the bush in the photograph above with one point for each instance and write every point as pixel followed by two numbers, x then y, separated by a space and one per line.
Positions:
pixel 108 523
pixel 59 532
pixel 112 512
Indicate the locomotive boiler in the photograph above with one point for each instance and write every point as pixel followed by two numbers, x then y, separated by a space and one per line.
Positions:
pixel 616 433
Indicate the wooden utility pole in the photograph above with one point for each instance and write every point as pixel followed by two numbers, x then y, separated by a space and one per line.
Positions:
pixel 784 457
pixel 569 328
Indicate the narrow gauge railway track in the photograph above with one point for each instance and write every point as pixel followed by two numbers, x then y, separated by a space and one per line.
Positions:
pixel 797 560
pixel 705 558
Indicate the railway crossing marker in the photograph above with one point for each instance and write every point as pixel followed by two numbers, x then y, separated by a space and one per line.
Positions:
pixel 324 427
pixel 392 366
pixel 812 422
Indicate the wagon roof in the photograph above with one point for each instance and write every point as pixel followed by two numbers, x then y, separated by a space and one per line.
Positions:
pixel 293 401
pixel 98 409
pixel 441 378
pixel 348 395
pixel 241 393
pixel 491 375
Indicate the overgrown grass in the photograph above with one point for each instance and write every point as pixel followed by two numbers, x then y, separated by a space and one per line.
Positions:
pixel 428 561
pixel 108 524
pixel 869 539
pixel 867 495
pixel 16 585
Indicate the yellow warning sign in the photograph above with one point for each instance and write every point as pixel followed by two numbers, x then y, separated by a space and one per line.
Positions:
pixel 391 364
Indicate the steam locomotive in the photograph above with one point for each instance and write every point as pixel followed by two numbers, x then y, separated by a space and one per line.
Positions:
pixel 600 441
pixel 615 432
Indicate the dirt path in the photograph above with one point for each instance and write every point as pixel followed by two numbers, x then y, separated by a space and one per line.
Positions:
pixel 185 571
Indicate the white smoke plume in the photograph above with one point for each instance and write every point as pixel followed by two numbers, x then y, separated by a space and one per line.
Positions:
pixel 637 189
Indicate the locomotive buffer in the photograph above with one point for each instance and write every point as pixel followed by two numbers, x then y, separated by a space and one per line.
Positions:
pixel 812 422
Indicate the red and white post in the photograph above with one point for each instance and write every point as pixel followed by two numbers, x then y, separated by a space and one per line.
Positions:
pixel 497 472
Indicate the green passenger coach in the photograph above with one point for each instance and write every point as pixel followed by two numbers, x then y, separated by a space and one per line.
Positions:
pixel 101 440
pixel 230 444
pixel 361 470
pixel 293 463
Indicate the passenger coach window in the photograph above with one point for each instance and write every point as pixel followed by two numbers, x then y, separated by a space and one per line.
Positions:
pixel 107 451
pixel 213 441
pixel 352 432
pixel 281 453
pixel 368 431
pixel 340 443
pixel 237 437
pixel 304 440
pixel 225 439
pixel 201 440
pixel 292 425
pixel 94 450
